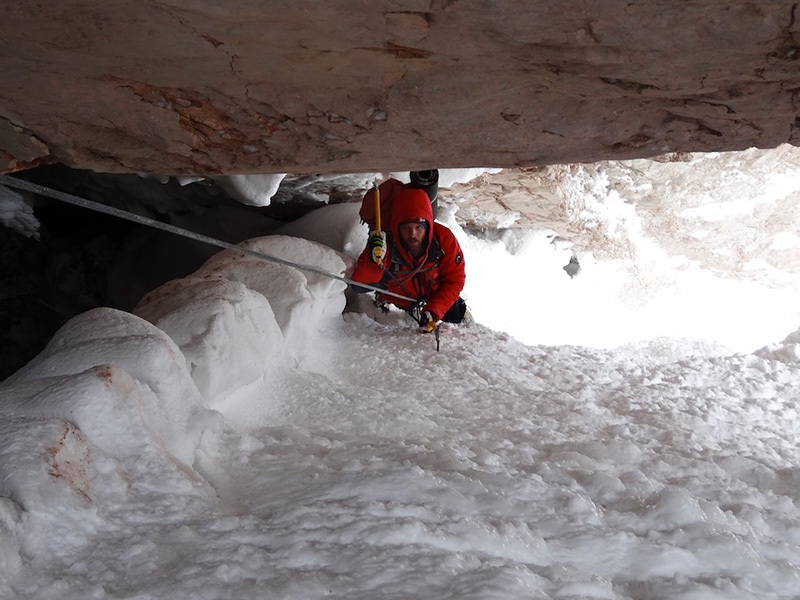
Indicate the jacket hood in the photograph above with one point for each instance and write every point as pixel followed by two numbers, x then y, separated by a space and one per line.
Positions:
pixel 411 204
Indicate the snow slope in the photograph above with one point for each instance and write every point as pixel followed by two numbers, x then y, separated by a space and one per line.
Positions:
pixel 272 448
pixel 239 436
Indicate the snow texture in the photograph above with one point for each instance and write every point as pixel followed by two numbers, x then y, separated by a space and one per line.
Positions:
pixel 16 214
pixel 256 190
pixel 242 437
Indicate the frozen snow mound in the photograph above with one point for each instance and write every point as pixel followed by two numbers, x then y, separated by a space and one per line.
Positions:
pixel 17 214
pixel 787 350
pixel 302 301
pixel 226 331
pixel 135 362
pixel 337 226
pixel 120 404
pixel 107 405
pixel 255 190
pixel 240 320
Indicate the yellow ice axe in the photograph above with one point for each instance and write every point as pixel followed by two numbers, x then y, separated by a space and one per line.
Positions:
pixel 378 217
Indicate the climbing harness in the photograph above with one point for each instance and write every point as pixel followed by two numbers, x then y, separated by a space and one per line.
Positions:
pixel 35 188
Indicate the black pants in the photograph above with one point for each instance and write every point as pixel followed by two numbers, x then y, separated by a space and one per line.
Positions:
pixel 455 314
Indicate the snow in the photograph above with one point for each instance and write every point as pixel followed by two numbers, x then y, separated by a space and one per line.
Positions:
pixel 255 190
pixel 689 248
pixel 16 214
pixel 240 436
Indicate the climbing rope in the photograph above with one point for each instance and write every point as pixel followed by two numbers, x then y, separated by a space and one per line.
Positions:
pixel 35 188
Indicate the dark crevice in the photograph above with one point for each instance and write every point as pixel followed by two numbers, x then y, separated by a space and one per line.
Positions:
pixel 85 259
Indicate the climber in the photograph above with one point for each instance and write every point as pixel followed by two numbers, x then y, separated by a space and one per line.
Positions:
pixel 416 258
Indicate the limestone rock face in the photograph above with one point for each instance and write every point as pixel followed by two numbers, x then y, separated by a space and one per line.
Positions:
pixel 260 86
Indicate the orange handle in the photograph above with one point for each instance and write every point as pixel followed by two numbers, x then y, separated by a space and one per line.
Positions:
pixel 377 209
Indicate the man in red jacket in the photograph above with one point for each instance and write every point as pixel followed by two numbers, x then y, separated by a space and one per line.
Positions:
pixel 419 259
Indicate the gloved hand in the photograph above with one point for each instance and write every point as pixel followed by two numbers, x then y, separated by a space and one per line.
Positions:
pixel 427 323
pixel 377 244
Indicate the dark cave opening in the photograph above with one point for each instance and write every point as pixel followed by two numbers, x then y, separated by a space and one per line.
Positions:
pixel 85 259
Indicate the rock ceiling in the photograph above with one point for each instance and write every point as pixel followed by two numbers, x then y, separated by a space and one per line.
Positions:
pixel 260 86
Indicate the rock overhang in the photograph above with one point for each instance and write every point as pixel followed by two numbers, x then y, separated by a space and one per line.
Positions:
pixel 355 86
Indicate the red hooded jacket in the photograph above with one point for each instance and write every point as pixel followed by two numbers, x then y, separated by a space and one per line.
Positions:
pixel 437 277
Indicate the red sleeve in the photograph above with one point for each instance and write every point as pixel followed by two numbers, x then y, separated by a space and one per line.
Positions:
pixel 367 270
pixel 452 275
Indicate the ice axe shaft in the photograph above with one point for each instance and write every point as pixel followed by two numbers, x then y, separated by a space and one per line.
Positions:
pixel 377 208
pixel 378 215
